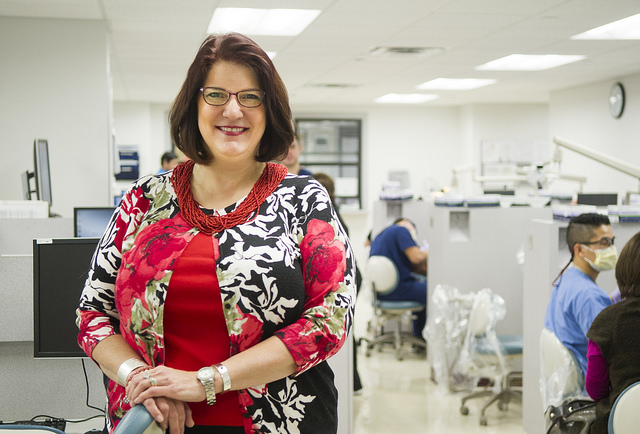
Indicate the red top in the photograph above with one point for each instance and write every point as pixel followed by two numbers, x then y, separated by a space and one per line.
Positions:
pixel 195 331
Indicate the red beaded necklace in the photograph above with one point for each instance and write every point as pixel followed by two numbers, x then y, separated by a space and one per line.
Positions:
pixel 247 211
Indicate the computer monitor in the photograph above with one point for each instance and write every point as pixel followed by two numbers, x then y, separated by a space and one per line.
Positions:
pixel 60 268
pixel 41 174
pixel 501 191
pixel 91 221
pixel 597 199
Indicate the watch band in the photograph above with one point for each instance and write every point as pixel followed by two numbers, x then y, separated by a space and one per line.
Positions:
pixel 127 367
pixel 210 391
pixel 224 374
pixel 205 376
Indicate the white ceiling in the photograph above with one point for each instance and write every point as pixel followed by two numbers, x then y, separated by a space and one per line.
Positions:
pixel 154 41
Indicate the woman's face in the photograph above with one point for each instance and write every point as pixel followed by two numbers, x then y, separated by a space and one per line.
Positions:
pixel 232 132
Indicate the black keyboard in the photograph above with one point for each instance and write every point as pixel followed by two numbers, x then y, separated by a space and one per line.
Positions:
pixel 59 424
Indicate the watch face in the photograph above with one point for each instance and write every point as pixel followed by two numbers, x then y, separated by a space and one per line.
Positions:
pixel 205 374
pixel 616 100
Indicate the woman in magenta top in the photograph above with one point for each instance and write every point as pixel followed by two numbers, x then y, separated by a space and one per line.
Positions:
pixel 219 289
pixel 613 355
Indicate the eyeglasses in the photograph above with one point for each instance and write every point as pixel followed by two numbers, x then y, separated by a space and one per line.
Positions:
pixel 604 242
pixel 246 98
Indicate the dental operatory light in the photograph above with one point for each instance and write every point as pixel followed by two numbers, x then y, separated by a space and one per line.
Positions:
pixel 626 28
pixel 455 83
pixel 268 22
pixel 529 62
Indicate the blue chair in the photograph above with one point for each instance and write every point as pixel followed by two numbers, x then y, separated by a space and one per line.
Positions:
pixel 138 420
pixel 624 417
pixel 382 275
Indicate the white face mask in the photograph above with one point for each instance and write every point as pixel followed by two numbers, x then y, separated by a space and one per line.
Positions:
pixel 605 258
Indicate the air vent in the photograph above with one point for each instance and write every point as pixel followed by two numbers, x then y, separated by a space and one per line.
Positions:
pixel 406 51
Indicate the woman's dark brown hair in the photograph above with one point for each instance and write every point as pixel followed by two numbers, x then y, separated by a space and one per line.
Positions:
pixel 628 268
pixel 241 50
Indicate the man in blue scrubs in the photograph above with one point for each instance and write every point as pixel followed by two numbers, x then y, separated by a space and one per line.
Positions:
pixel 576 298
pixel 398 243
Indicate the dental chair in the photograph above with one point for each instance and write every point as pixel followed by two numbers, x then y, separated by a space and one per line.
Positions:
pixel 381 275
pixel 485 355
pixel 566 405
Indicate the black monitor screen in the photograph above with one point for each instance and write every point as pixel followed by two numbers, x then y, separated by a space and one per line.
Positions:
pixel 597 199
pixel 60 268
pixel 91 222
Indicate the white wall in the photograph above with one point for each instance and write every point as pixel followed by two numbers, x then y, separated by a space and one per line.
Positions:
pixel 581 114
pixel 54 85
pixel 144 125
pixel 516 123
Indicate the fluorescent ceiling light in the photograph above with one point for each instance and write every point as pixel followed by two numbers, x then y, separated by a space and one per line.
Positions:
pixel 456 83
pixel 626 28
pixel 405 98
pixel 529 62
pixel 250 21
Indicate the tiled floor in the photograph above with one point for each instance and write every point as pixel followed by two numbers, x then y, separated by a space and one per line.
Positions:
pixel 399 396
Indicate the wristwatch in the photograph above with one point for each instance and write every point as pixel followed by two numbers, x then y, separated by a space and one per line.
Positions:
pixel 205 376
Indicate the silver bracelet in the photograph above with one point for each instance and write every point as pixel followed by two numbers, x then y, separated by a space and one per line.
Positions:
pixel 127 367
pixel 224 374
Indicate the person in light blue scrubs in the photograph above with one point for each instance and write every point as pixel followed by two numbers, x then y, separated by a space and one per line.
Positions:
pixel 576 298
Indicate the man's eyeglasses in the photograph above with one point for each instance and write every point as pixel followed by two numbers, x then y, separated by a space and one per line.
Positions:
pixel 246 98
pixel 604 242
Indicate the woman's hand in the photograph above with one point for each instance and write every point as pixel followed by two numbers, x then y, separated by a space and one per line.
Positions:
pixel 171 415
pixel 162 381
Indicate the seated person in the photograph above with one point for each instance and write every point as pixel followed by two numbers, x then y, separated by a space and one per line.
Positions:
pixel 576 298
pixel 168 161
pixel 398 243
pixel 613 357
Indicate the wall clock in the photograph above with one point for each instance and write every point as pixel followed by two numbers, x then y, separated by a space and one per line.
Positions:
pixel 616 100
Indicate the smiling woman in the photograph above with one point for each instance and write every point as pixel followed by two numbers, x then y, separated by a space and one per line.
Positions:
pixel 231 128
pixel 219 289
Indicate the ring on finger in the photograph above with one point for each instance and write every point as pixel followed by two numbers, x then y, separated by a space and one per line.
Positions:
pixel 152 380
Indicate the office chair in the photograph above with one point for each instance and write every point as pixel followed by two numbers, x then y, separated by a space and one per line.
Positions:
pixel 624 417
pixel 483 355
pixel 381 274
pixel 138 420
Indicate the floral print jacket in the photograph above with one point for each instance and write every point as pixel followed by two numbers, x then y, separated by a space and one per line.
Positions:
pixel 290 272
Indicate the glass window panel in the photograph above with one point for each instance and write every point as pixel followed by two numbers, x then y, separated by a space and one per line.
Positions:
pixel 333 146
pixel 350 171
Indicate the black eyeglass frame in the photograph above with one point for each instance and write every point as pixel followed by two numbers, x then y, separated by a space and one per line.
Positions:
pixel 236 94
pixel 608 242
